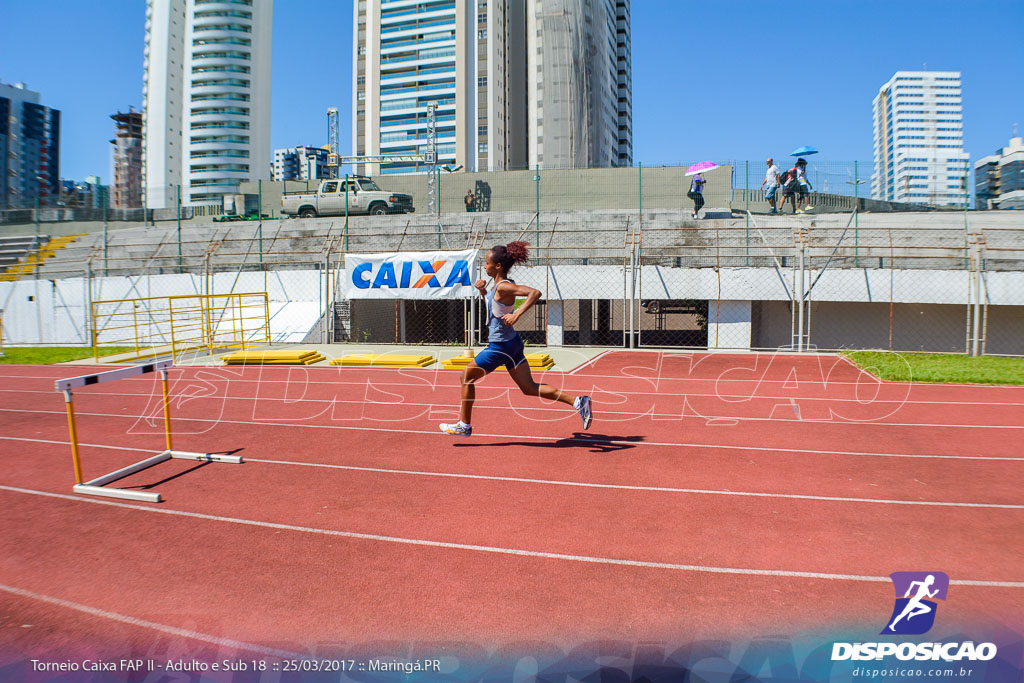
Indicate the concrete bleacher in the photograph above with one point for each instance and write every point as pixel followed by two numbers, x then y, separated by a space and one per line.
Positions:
pixel 14 249
pixel 669 237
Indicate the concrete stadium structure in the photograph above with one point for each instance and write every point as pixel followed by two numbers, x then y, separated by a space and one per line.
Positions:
pixel 906 281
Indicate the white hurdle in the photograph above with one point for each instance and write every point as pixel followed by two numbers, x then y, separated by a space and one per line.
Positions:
pixel 96 487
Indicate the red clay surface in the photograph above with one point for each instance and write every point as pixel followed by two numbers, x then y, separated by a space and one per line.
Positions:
pixel 266 553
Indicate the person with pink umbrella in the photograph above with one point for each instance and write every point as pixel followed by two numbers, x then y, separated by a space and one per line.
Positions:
pixel 696 192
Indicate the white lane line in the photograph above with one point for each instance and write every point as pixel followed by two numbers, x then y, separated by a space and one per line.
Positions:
pixel 581 440
pixel 629 487
pixel 435 373
pixel 581 484
pixel 726 397
pixel 153 626
pixel 589 362
pixel 482 405
pixel 497 549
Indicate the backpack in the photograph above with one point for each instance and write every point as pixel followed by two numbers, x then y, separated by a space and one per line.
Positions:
pixel 789 178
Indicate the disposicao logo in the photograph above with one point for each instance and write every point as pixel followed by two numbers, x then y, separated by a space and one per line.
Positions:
pixel 914 612
pixel 398 275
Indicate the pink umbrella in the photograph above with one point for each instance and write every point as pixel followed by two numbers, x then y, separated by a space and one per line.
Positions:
pixel 701 167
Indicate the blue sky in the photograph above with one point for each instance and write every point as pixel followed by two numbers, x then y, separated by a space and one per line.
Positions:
pixel 720 79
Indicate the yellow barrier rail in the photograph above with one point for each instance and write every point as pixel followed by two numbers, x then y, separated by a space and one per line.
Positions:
pixel 172 325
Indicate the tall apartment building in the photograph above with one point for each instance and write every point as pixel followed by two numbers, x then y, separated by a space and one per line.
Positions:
pixel 624 82
pixel 29 148
pixel 918 132
pixel 999 178
pixel 206 98
pixel 505 78
pixel 126 160
pixel 304 162
pixel 573 107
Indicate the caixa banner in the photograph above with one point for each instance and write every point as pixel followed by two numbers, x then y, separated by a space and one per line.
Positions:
pixel 410 275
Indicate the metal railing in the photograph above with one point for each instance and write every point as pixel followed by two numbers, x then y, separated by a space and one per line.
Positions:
pixel 173 325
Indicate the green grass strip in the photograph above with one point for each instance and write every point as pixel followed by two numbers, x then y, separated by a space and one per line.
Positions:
pixel 951 368
pixel 48 355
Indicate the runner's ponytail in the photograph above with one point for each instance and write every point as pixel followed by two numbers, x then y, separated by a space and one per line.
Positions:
pixel 511 254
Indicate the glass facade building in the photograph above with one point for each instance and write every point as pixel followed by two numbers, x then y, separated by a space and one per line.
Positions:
pixel 999 178
pixel 918 140
pixel 490 67
pixel 29 148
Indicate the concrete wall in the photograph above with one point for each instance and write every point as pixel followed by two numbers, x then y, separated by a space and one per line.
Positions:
pixel 915 327
pixel 57 311
pixel 597 188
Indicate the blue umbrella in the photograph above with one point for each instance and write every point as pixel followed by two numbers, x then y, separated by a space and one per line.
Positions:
pixel 803 151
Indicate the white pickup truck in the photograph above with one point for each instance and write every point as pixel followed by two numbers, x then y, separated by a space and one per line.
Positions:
pixel 363 197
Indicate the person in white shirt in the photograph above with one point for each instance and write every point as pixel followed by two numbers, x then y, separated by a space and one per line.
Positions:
pixel 771 179
pixel 804 188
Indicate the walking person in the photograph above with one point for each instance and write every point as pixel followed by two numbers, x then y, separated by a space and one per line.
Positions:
pixel 803 187
pixel 696 193
pixel 790 186
pixel 772 180
pixel 505 346
pixel 470 201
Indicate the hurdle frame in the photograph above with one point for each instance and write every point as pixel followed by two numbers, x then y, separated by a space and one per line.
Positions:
pixel 97 486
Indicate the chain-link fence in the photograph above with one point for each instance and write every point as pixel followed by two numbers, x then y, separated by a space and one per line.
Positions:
pixel 617 254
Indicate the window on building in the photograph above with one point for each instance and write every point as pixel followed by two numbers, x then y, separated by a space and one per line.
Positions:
pixel 482 148
pixel 482 34
pixel 482 81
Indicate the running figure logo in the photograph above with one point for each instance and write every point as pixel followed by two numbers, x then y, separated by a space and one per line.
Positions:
pixel 914 612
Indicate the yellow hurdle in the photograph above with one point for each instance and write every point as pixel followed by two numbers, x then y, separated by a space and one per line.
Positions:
pixel 97 487
pixel 392 360
pixel 274 357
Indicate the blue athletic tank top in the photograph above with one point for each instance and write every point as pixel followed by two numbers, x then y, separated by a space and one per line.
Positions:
pixel 497 331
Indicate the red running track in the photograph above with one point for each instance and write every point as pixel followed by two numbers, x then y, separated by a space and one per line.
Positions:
pixel 714 496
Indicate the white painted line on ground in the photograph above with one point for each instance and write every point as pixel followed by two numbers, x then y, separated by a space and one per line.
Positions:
pixel 728 398
pixel 153 626
pixel 482 405
pixel 499 550
pixel 628 487
pixel 429 372
pixel 581 440
pixel 589 362
pixel 581 484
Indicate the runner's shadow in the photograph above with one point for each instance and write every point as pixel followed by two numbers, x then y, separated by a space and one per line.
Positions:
pixel 597 443
pixel 199 465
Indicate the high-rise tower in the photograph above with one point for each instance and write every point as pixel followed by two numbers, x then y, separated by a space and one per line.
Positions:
pixel 206 98
pixel 918 131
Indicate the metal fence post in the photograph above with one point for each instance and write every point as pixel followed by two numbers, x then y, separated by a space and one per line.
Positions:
pixel 800 292
pixel 179 226
pixel 105 263
pixel 259 190
pixel 746 188
pixel 856 217
pixel 536 179
pixel 976 321
pixel 346 212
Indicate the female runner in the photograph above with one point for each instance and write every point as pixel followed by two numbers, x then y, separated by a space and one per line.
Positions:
pixel 505 347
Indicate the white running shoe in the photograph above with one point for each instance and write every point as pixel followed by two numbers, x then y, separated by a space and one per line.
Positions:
pixel 457 429
pixel 582 406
